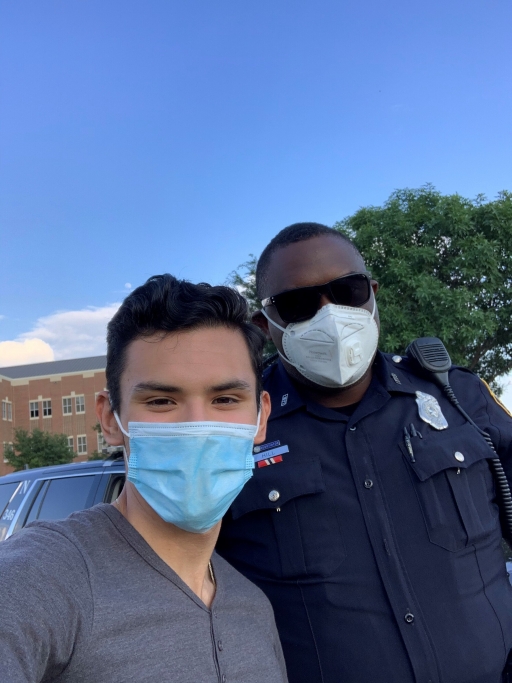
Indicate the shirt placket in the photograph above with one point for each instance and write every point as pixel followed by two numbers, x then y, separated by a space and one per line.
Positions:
pixel 380 530
pixel 218 646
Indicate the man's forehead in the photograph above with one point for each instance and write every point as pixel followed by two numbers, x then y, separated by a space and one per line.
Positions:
pixel 206 354
pixel 311 262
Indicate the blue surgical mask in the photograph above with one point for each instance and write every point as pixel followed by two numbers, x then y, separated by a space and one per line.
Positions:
pixel 190 472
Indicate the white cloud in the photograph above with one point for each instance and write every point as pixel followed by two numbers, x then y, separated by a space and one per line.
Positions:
pixel 2 317
pixel 128 285
pixel 74 334
pixel 66 334
pixel 24 352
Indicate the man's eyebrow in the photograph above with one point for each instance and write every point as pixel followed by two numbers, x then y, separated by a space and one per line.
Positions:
pixel 230 385
pixel 156 386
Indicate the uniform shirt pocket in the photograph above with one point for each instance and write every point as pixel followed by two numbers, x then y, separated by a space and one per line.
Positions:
pixel 452 476
pixel 305 524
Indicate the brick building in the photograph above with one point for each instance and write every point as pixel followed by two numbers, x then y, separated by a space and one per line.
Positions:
pixel 56 397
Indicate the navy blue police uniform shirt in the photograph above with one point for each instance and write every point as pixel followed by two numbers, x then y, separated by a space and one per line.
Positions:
pixel 379 568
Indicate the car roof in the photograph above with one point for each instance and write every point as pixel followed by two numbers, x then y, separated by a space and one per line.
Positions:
pixel 55 470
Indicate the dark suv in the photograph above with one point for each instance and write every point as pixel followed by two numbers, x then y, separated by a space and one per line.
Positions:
pixel 56 492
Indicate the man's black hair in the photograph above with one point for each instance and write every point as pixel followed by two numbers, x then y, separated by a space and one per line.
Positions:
pixel 165 304
pixel 297 232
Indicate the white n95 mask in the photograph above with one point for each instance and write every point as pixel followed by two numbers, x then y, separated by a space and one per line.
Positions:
pixel 335 347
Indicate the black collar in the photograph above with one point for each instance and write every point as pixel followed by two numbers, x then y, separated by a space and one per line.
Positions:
pixel 389 377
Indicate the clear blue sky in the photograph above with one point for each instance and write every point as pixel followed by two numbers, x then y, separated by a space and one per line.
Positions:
pixel 138 137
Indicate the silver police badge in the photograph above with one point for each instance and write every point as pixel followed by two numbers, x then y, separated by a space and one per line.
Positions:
pixel 430 411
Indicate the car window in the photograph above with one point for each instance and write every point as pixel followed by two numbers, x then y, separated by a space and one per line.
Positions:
pixel 115 487
pixel 36 505
pixel 6 491
pixel 7 513
pixel 64 496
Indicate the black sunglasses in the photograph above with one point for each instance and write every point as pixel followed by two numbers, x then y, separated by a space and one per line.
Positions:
pixel 302 303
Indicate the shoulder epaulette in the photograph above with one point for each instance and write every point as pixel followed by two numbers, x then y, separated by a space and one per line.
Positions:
pixel 496 399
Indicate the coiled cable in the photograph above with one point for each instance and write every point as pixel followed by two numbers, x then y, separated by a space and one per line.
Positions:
pixel 502 485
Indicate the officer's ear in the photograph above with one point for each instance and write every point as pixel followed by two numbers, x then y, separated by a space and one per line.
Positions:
pixel 260 321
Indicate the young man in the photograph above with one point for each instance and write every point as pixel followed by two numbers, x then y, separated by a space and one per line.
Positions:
pixel 373 526
pixel 133 591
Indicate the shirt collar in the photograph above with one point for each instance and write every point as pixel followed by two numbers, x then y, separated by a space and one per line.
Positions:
pixel 284 396
pixel 394 373
pixel 390 373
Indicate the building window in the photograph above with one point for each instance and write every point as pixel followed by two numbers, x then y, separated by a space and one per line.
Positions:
pixel 67 407
pixel 7 444
pixel 34 409
pixel 7 411
pixel 82 444
pixel 47 408
pixel 70 443
pixel 80 404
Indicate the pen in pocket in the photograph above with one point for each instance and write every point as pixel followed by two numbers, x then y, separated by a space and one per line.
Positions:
pixel 408 444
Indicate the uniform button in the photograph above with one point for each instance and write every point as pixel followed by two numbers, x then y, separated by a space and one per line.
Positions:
pixel 368 483
pixel 458 456
pixel 352 429
pixel 274 495
pixel 409 618
pixel 220 645
pixel 397 359
pixel 223 678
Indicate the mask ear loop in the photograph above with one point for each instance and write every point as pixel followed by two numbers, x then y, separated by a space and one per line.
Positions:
pixel 283 329
pixel 120 425
pixel 258 420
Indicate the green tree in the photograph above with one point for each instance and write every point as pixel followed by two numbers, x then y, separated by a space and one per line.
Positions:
pixel 38 449
pixel 244 279
pixel 444 265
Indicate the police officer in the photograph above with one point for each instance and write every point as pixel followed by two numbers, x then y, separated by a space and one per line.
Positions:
pixel 370 521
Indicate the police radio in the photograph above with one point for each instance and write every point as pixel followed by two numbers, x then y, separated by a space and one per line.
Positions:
pixel 431 355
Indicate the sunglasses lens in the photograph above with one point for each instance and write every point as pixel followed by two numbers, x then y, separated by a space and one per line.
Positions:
pixel 352 290
pixel 297 305
pixel 302 304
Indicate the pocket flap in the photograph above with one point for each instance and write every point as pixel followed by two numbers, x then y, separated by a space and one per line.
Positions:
pixel 453 448
pixel 289 480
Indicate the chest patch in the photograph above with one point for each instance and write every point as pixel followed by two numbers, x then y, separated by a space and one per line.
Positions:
pixel 266 446
pixel 270 457
pixel 270 461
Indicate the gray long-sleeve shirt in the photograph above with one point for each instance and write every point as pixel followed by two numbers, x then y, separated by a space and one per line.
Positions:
pixel 87 600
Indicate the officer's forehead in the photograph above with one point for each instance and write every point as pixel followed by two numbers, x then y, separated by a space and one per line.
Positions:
pixel 310 262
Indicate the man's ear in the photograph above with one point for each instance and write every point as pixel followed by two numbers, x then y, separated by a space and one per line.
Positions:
pixel 375 287
pixel 260 321
pixel 109 427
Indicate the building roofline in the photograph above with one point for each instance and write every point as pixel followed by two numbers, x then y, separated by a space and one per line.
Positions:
pixel 56 367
